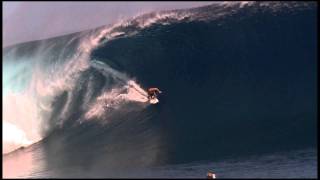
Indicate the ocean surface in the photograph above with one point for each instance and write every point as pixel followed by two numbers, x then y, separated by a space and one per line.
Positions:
pixel 239 96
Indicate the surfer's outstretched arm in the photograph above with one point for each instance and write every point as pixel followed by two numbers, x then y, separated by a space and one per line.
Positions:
pixel 153 92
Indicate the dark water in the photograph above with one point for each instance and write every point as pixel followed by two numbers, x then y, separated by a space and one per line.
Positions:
pixel 291 164
pixel 239 98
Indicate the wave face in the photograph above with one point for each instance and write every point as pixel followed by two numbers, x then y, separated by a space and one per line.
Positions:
pixel 238 79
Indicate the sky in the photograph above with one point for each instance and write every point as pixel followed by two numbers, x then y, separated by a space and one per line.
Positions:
pixel 27 21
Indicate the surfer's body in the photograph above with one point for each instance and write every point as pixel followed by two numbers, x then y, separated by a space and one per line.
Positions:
pixel 152 92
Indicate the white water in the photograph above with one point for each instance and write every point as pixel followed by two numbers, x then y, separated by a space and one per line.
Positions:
pixel 115 98
pixel 30 87
pixel 29 108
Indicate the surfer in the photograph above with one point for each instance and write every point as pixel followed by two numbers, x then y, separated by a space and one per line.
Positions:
pixel 210 175
pixel 152 92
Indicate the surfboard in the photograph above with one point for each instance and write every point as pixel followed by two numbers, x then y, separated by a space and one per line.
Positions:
pixel 154 101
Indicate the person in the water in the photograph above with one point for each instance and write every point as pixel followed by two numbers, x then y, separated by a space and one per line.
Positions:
pixel 210 175
pixel 152 92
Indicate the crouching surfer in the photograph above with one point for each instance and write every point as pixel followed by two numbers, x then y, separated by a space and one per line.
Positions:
pixel 152 93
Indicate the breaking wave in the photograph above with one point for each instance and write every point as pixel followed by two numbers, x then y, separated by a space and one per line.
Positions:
pixel 238 78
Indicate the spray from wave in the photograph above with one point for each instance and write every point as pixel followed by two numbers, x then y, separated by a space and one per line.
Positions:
pixel 33 81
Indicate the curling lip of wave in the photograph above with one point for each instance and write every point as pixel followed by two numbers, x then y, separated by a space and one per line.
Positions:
pixel 164 17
